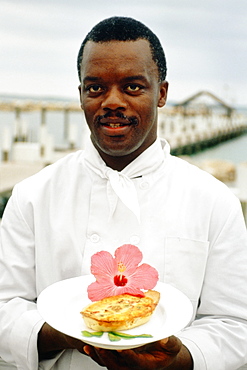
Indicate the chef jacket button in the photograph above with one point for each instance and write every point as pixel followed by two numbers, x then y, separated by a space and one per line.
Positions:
pixel 94 238
pixel 144 185
pixel 134 239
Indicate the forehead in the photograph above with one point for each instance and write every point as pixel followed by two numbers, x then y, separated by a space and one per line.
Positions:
pixel 114 56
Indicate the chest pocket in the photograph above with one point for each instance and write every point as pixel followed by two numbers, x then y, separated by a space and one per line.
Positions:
pixel 185 263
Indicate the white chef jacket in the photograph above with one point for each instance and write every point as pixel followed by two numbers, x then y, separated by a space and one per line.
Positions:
pixel 192 231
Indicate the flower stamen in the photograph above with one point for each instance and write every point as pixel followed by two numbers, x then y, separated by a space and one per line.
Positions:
pixel 121 267
pixel 120 280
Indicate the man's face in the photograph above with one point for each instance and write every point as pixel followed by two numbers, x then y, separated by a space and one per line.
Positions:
pixel 120 94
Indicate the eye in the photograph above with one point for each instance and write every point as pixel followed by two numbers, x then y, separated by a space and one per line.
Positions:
pixel 94 89
pixel 133 88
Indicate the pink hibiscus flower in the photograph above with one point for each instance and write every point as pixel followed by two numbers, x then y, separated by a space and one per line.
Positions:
pixel 121 274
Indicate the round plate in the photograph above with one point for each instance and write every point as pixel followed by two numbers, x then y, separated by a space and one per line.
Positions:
pixel 60 305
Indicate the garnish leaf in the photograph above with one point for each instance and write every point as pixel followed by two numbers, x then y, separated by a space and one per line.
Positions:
pixel 113 337
pixel 86 333
pixel 129 336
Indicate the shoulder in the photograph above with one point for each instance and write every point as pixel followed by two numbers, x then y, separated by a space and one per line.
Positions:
pixel 58 174
pixel 201 182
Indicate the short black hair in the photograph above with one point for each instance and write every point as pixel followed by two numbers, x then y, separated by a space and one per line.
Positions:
pixel 125 29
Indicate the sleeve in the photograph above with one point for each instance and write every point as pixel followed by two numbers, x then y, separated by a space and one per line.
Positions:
pixel 217 339
pixel 20 321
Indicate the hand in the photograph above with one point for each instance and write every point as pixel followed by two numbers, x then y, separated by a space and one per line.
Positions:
pixel 165 354
pixel 51 341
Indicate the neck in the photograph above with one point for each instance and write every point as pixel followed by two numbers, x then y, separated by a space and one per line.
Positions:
pixel 119 162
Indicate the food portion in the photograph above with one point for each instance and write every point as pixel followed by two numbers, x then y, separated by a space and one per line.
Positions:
pixel 120 312
pixel 122 292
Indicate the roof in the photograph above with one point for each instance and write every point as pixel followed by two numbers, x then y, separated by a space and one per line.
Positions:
pixel 187 101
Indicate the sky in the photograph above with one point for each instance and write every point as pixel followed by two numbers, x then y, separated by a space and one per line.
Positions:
pixel 205 42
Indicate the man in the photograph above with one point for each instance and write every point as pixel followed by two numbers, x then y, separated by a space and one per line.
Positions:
pixel 125 187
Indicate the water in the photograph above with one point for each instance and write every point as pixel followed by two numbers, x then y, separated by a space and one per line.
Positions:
pixel 234 150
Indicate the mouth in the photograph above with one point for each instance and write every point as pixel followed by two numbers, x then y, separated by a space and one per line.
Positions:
pixel 114 124
pixel 115 129
pixel 116 120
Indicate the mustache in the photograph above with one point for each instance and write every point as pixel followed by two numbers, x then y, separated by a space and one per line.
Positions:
pixel 129 119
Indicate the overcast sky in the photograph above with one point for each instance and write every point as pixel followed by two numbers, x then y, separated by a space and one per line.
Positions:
pixel 205 42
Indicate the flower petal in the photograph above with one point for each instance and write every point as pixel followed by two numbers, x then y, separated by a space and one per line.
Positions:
pixel 103 266
pixel 145 277
pixel 131 290
pixel 105 269
pixel 98 291
pixel 130 256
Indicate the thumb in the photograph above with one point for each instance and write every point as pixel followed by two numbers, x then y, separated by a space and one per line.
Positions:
pixel 164 341
pixel 171 344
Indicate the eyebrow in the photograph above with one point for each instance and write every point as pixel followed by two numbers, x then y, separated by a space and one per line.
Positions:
pixel 125 79
pixel 90 79
pixel 137 77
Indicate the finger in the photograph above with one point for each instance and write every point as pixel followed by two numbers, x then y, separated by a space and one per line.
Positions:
pixel 156 354
pixel 93 353
pixel 164 341
pixel 132 359
pixel 113 359
pixel 172 345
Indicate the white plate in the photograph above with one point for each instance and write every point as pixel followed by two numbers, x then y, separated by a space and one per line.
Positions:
pixel 60 305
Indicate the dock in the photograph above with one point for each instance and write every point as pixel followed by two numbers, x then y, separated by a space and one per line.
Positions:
pixel 194 125
pixel 189 126
pixel 11 173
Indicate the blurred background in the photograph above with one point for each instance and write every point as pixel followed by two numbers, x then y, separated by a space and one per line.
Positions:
pixel 205 120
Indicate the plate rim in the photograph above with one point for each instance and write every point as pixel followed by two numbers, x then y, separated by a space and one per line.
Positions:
pixel 95 341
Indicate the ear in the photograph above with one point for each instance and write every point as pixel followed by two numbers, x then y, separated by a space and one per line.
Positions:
pixel 79 88
pixel 163 93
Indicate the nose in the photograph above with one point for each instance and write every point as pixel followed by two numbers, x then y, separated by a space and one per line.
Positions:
pixel 113 100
